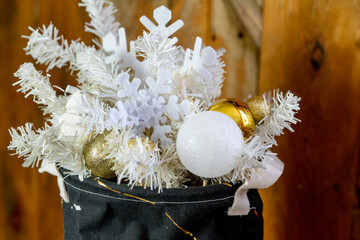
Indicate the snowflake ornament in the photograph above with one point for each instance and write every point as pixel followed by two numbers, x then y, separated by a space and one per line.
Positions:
pixel 118 52
pixel 175 110
pixel 160 86
pixel 162 16
pixel 200 59
pixel 118 115
pixel 129 89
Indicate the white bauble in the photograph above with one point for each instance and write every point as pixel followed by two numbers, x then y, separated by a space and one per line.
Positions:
pixel 209 144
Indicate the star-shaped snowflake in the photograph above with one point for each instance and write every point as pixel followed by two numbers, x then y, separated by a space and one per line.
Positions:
pixel 118 115
pixel 176 111
pixel 160 86
pixel 162 16
pixel 200 59
pixel 130 89
pixel 118 53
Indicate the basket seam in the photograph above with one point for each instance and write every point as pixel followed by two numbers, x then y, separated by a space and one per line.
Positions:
pixel 162 202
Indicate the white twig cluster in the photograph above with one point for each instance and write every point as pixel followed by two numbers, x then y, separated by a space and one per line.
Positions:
pixel 283 110
pixel 142 164
pixel 130 98
pixel 102 17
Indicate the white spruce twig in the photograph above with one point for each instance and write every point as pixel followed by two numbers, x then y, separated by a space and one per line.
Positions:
pixel 33 83
pixel 47 47
pixel 102 17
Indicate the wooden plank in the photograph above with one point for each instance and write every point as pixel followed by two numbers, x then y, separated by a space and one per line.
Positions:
pixel 241 57
pixel 197 18
pixel 13 179
pixel 356 213
pixel 311 47
pixel 29 202
pixel 250 15
pixel 217 24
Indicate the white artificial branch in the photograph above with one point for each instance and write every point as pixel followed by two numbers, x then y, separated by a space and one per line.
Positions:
pixel 102 17
pixel 47 47
pixel 33 83
pixel 283 110
pixel 158 53
pixel 43 144
pixel 95 115
pixel 31 144
pixel 141 165
pixel 95 76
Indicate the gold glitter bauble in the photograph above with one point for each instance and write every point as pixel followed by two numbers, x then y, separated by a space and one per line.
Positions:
pixel 147 143
pixel 239 112
pixel 95 160
pixel 259 108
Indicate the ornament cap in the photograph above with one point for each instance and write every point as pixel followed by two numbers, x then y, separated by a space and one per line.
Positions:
pixel 239 112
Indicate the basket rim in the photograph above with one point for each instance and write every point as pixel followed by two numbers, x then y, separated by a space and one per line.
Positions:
pixel 102 188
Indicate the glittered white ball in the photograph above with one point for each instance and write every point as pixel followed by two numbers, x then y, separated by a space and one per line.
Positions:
pixel 209 144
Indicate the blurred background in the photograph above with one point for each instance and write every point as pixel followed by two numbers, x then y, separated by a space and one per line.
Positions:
pixel 311 47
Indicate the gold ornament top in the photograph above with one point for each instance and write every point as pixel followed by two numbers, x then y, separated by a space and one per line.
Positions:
pixel 259 108
pixel 95 158
pixel 146 142
pixel 239 112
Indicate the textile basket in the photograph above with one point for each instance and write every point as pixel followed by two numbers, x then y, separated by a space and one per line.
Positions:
pixel 101 209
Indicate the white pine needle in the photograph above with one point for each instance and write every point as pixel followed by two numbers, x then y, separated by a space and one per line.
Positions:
pixel 47 47
pixel 33 83
pixel 102 17
pixel 283 110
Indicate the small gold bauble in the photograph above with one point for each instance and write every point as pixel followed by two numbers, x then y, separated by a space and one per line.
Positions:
pixel 147 143
pixel 259 108
pixel 239 112
pixel 95 159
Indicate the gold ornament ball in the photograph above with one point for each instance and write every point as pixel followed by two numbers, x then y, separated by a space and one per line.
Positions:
pixel 259 108
pixel 146 142
pixel 95 160
pixel 239 112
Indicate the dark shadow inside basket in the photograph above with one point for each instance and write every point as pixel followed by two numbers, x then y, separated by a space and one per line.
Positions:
pixel 102 209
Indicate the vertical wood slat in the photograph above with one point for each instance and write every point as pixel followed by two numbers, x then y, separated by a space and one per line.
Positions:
pixel 356 213
pixel 311 47
pixel 250 15
pixel 129 12
pixel 241 57
pixel 217 24
pixel 29 202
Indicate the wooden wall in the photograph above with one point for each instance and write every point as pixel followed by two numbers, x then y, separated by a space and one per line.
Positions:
pixel 308 46
pixel 312 48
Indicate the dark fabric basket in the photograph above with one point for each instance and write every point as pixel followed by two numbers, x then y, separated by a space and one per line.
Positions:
pixel 101 209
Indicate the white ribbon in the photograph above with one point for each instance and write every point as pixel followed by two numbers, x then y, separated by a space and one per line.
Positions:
pixel 53 170
pixel 264 177
pixel 66 130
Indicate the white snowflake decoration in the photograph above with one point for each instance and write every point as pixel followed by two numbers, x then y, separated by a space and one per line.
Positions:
pixel 162 16
pixel 200 59
pixel 175 110
pixel 146 108
pixel 119 54
pixel 129 89
pixel 160 86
